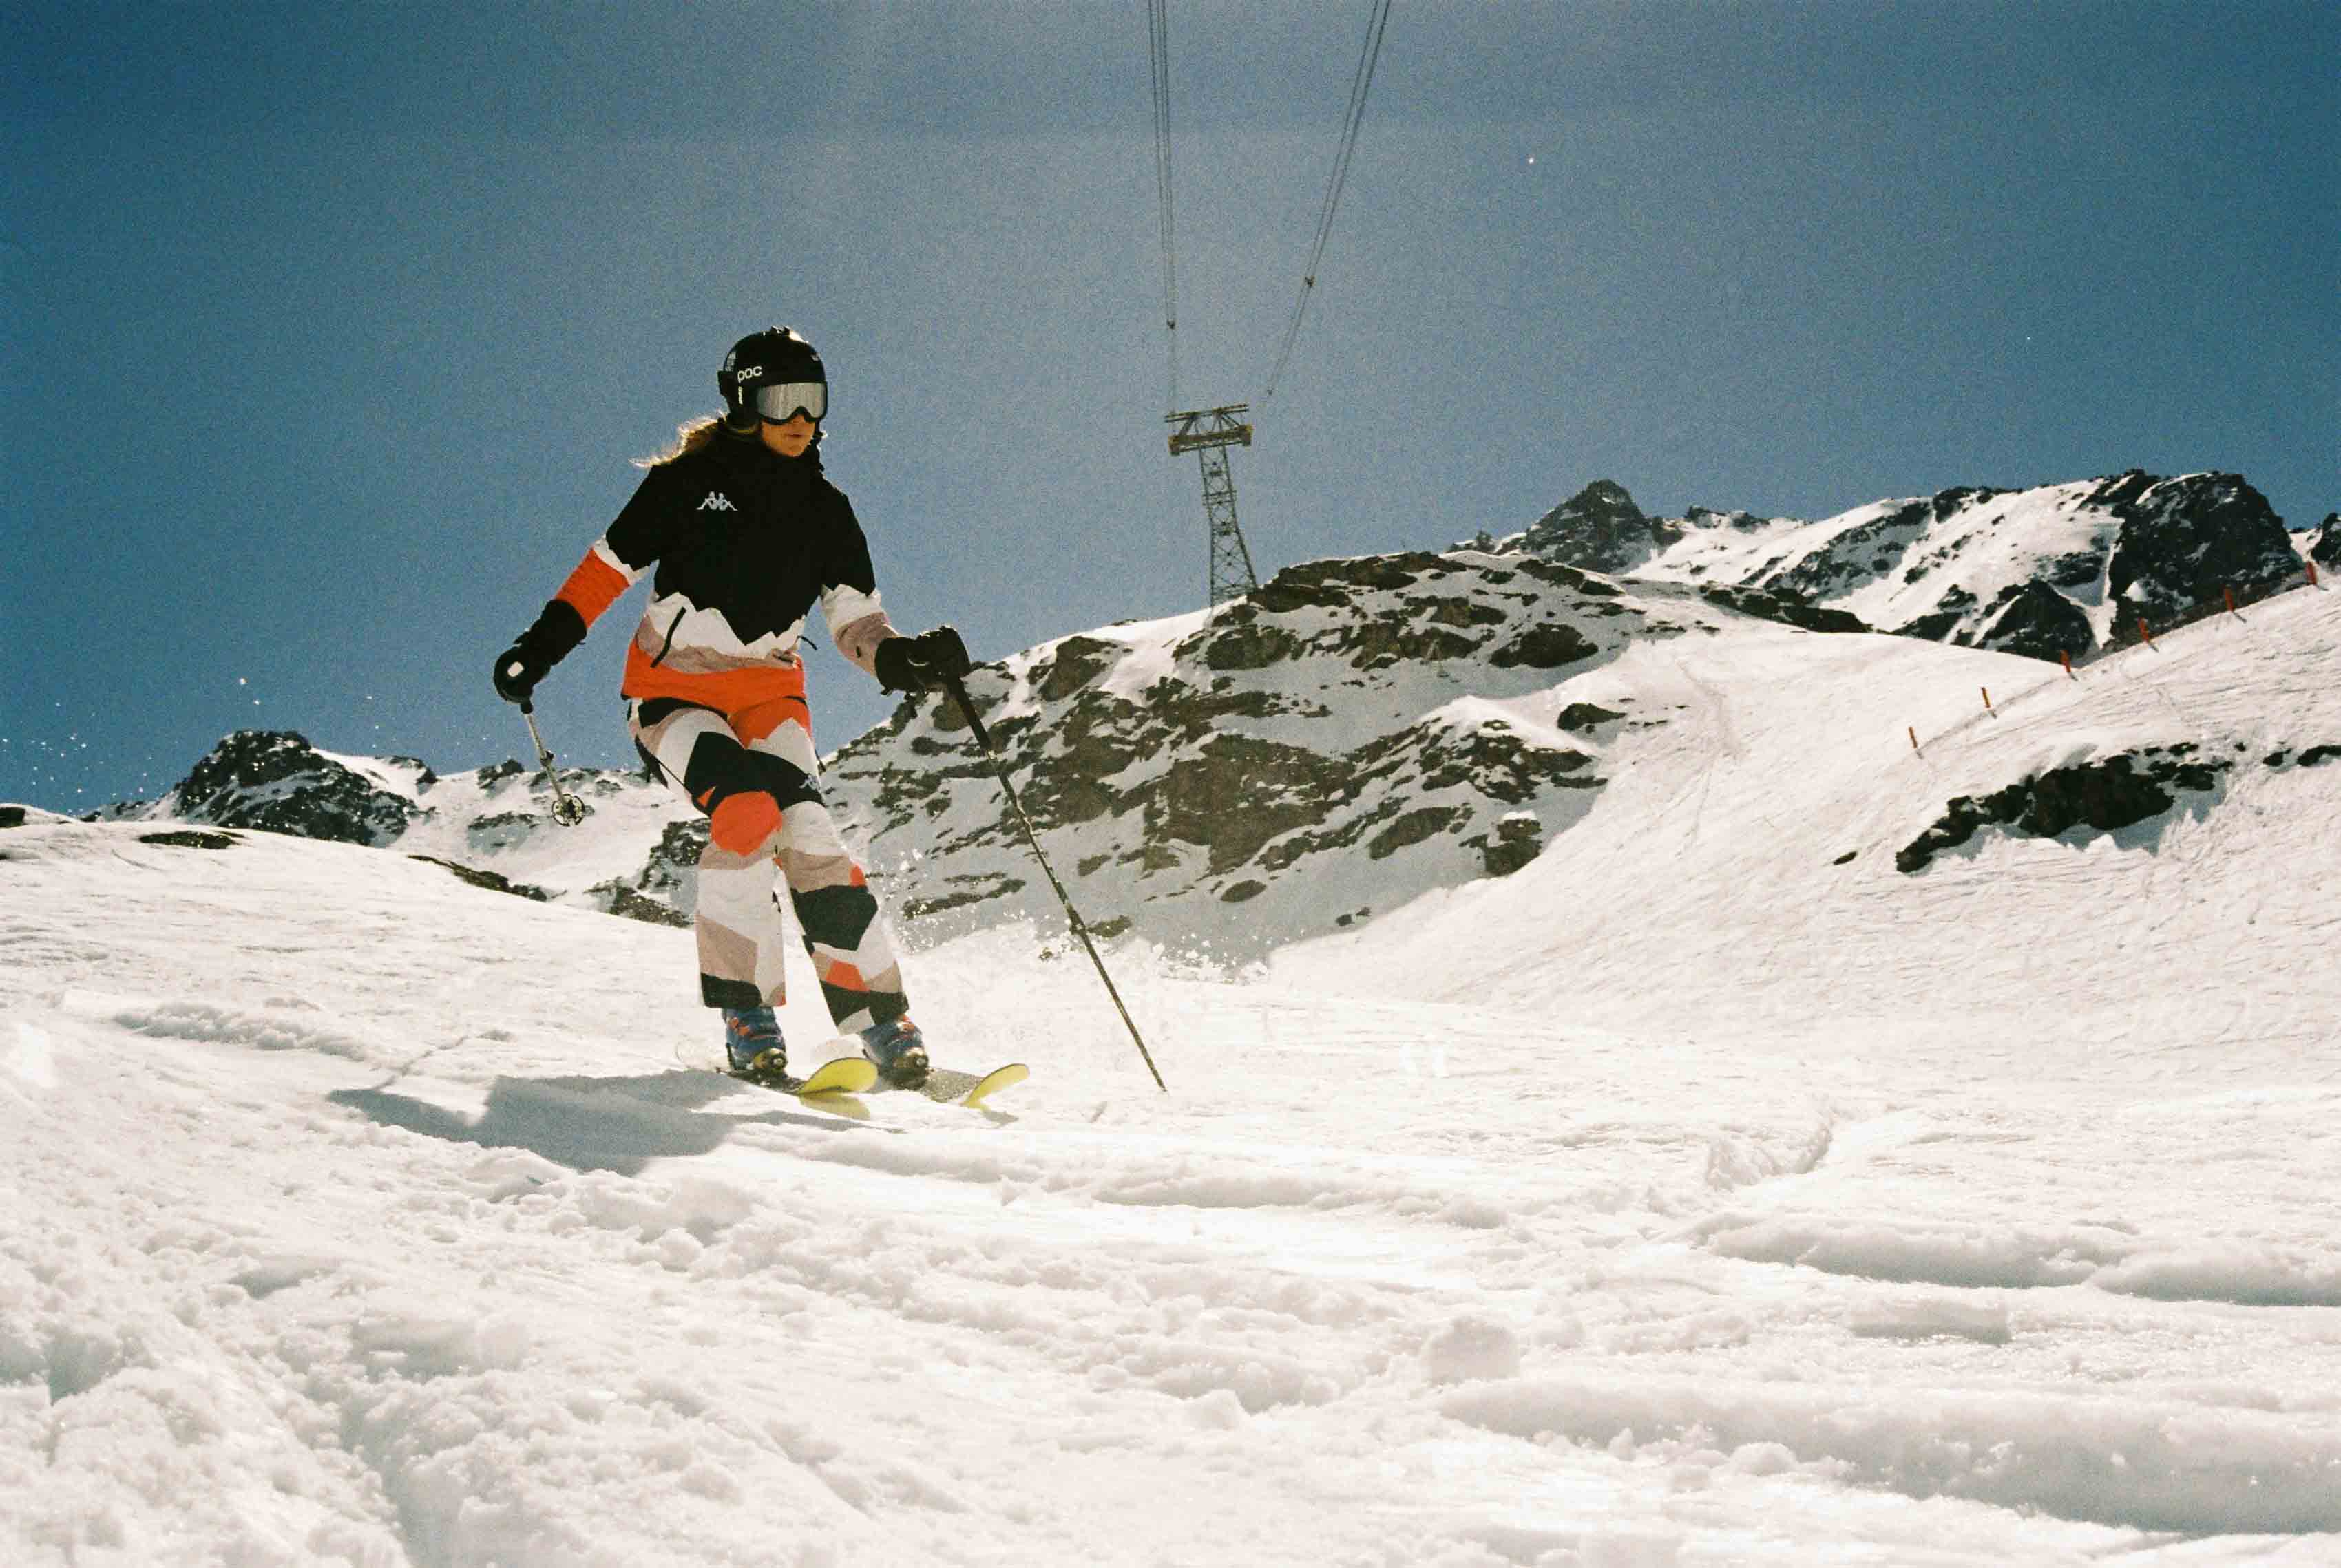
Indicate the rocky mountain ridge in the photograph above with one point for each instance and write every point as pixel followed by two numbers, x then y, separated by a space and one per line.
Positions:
pixel 1355 732
pixel 493 825
pixel 1353 735
pixel 2052 570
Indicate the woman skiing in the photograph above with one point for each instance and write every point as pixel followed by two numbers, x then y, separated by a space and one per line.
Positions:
pixel 747 536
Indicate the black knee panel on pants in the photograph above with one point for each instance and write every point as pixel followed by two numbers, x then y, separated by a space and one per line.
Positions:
pixel 719 767
pixel 835 917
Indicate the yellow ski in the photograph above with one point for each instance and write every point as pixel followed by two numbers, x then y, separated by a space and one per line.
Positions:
pixel 843 1075
pixel 967 1089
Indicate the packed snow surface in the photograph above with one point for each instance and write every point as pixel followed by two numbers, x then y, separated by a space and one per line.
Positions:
pixel 1709 1192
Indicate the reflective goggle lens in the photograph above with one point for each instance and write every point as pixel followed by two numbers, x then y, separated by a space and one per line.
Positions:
pixel 778 401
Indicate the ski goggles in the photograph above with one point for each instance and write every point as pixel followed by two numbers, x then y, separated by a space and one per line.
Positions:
pixel 778 402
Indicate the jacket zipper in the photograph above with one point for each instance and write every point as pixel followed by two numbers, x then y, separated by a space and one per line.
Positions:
pixel 667 646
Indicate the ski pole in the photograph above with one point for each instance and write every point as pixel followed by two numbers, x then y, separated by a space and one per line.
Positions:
pixel 958 690
pixel 567 809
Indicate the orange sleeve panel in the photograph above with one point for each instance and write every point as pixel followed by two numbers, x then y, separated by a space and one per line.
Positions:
pixel 592 588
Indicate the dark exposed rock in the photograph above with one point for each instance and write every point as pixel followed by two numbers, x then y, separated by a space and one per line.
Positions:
pixel 2111 793
pixel 1708 517
pixel 2032 618
pixel 1493 760
pixel 1412 828
pixel 2185 542
pixel 1320 582
pixel 1279 596
pixel 1860 554
pixel 1932 628
pixel 1077 661
pixel 1546 646
pixel 12 816
pixel 1783 608
pixel 191 838
pixel 1236 792
pixel 1397 635
pixel 1519 839
pixel 2081 568
pixel 983 890
pixel 671 874
pixel 497 772
pixel 1949 611
pixel 1601 529
pixel 1249 648
pixel 1959 497
pixel 1456 612
pixel 619 899
pixel 1579 717
pixel 490 881
pixel 1071 786
pixel 276 780
pixel 1324 584
pixel 2325 543
pixel 1560 575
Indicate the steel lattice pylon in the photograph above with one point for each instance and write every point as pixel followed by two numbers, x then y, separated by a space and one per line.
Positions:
pixel 1208 434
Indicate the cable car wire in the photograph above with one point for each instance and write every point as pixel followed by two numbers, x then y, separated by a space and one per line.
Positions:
pixel 1158 53
pixel 1376 24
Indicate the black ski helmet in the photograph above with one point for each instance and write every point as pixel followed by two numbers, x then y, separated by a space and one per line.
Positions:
pixel 775 355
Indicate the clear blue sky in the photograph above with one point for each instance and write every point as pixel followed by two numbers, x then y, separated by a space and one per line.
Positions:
pixel 330 328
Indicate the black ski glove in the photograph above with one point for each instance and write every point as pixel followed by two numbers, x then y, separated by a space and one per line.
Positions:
pixel 544 645
pixel 916 664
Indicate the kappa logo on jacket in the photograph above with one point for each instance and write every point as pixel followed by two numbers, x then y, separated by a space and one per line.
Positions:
pixel 717 501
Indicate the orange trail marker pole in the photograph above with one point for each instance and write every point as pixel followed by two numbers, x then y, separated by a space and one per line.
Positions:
pixel 2231 599
pixel 2146 633
pixel 2312 574
pixel 1987 699
pixel 2066 655
pixel 1914 738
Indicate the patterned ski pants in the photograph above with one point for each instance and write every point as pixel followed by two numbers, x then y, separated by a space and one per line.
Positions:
pixel 753 772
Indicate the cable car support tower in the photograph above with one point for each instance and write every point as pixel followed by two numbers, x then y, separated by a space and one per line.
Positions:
pixel 1208 434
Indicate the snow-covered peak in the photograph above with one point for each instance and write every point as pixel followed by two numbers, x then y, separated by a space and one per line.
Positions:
pixel 2053 570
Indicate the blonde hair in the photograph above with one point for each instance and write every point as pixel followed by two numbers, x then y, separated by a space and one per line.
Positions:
pixel 697 434
pixel 691 435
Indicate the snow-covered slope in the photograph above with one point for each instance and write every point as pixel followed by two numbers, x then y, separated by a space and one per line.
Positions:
pixel 1787 775
pixel 1696 1195
pixel 1352 734
pixel 2059 569
pixel 633 855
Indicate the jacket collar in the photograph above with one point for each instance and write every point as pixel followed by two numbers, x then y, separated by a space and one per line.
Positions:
pixel 746 453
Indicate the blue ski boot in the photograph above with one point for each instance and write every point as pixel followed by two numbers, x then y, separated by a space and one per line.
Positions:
pixel 753 1046
pixel 900 1052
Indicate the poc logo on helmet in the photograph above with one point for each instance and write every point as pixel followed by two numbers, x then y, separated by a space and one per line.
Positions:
pixel 717 501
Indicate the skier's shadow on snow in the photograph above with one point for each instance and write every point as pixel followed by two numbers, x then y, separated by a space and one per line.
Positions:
pixel 590 1124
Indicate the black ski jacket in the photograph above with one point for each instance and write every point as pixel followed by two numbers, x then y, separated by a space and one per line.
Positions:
pixel 745 542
